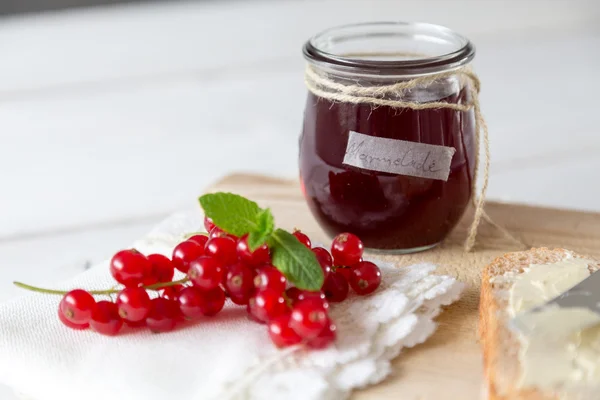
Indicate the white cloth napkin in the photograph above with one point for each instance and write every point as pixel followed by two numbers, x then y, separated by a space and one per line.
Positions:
pixel 224 357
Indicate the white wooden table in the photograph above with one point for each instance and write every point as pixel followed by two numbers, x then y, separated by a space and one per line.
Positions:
pixel 112 118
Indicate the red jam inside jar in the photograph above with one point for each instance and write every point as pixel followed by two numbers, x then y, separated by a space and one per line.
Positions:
pixel 389 211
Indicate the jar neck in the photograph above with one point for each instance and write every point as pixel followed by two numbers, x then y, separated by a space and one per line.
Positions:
pixel 388 51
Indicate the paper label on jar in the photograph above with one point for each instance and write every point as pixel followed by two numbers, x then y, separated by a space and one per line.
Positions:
pixel 398 156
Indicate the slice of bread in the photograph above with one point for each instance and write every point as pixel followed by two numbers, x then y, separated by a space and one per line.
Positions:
pixel 500 345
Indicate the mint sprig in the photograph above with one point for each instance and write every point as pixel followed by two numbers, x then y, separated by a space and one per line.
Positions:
pixel 239 216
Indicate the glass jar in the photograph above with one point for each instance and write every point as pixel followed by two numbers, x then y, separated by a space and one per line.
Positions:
pixel 399 177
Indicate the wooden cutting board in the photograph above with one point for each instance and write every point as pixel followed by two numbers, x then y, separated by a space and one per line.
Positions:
pixel 448 366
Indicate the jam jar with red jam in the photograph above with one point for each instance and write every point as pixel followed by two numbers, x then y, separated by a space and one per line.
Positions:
pixel 397 175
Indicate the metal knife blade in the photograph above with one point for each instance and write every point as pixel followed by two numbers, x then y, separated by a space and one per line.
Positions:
pixel 586 294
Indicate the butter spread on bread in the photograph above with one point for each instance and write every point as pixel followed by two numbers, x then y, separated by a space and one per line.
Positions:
pixel 557 350
pixel 555 359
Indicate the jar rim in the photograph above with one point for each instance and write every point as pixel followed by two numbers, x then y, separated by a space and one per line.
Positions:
pixel 462 53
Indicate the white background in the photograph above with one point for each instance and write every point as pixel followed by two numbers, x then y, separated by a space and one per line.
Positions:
pixel 111 118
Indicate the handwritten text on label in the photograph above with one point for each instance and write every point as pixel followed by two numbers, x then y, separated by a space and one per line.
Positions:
pixel 398 156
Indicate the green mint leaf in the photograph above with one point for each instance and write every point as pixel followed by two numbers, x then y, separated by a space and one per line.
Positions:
pixel 257 239
pixel 266 225
pixel 231 212
pixel 295 261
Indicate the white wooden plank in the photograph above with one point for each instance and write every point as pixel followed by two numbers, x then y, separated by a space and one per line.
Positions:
pixel 145 151
pixel 157 40
pixel 47 260
pixel 571 184
pixel 538 95
pixel 6 393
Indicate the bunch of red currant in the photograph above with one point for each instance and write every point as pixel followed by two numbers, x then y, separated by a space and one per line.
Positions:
pixel 220 265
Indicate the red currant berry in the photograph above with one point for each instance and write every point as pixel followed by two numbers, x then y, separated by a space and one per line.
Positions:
pixel 251 316
pixel 281 334
pixel 77 306
pixel 223 249
pixel 162 269
pixel 324 259
pixel 240 283
pixel 218 232
pixel 269 277
pixel 297 295
pixel 345 271
pixel 190 302
pixel 336 287
pixel 208 224
pixel 68 323
pixel 302 238
pixel 293 293
pixel 365 277
pixel 213 301
pixel 346 249
pixel 267 304
pixel 325 338
pixel 253 258
pixel 163 315
pixel 134 304
pixel 135 324
pixel 130 268
pixel 171 292
pixel 184 253
pixel 105 318
pixel 308 318
pixel 206 272
pixel 200 239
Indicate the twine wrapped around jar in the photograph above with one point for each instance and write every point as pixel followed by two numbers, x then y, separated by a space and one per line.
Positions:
pixel 386 95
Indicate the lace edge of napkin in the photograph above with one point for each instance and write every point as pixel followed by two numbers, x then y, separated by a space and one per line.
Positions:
pixel 338 384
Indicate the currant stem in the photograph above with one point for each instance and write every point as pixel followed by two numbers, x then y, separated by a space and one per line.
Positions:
pixel 156 286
